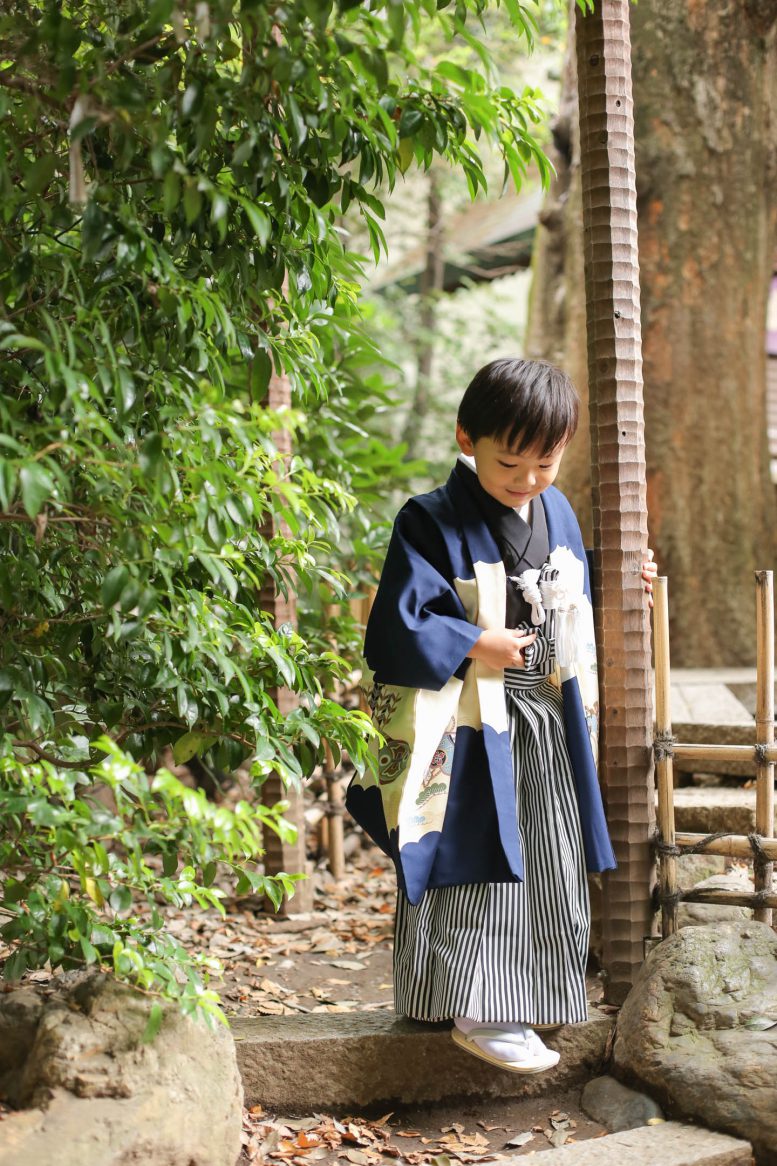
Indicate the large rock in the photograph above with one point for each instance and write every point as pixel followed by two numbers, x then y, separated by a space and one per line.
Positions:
pixel 91 1093
pixel 700 914
pixel 699 1030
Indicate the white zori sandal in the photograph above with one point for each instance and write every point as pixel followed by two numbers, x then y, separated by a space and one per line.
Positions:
pixel 513 1052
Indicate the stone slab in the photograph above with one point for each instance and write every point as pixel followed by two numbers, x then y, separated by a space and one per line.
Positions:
pixel 714 706
pixel 713 675
pixel 349 1060
pixel 704 733
pixel 666 1144
pixel 708 704
pixel 706 810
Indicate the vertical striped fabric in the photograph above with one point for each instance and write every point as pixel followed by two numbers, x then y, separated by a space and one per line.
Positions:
pixel 510 951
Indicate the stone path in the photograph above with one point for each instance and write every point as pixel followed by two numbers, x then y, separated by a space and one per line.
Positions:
pixel 359 1059
pixel 667 1144
pixel 714 706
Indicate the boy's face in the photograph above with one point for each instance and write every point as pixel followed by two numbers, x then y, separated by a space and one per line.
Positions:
pixel 512 478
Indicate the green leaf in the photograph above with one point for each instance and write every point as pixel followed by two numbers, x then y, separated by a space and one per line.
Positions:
pixel 260 222
pixel 171 191
pixel 190 743
pixel 154 1022
pixel 37 486
pixel 261 371
pixel 120 899
pixel 192 202
pixel 40 173
pixel 169 863
pixel 15 966
pixel 150 458
pixel 90 953
pixel 113 584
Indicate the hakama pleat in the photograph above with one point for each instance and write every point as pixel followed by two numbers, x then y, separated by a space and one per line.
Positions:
pixel 509 951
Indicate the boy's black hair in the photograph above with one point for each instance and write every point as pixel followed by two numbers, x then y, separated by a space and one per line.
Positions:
pixel 523 403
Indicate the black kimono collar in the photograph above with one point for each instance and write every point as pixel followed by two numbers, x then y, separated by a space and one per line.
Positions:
pixel 522 545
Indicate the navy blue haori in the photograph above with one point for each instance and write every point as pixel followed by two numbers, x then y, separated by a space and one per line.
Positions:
pixel 442 801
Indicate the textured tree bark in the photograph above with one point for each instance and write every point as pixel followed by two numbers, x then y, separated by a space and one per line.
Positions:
pixel 556 325
pixel 431 286
pixel 705 91
pixel 618 479
pixel 284 856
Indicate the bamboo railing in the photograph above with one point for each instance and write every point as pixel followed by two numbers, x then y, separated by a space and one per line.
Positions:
pixel 761 845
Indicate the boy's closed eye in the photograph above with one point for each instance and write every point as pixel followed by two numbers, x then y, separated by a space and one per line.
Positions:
pixel 514 466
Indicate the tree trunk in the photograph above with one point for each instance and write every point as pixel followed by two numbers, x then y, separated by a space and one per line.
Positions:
pixel 283 856
pixel 431 286
pixel 708 80
pixel 705 89
pixel 618 479
pixel 556 326
pixel 280 856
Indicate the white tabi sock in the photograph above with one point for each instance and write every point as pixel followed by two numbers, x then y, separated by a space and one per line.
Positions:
pixel 511 1041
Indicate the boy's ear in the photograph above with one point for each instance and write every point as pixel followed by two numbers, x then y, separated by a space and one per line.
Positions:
pixel 464 441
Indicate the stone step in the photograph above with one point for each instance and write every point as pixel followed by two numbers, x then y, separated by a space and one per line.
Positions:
pixel 707 704
pixel 714 707
pixel 666 1144
pixel 351 1060
pixel 708 809
pixel 711 733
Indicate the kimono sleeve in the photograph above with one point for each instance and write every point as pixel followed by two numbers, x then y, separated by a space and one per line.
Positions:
pixel 418 634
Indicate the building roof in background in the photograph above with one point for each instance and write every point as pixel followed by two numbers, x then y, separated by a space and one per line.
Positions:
pixel 488 240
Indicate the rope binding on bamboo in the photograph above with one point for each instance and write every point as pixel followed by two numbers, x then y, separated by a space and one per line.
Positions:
pixel 760 860
pixel 671 850
pixel 663 745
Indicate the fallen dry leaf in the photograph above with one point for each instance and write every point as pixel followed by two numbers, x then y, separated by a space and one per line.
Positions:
pixel 520 1140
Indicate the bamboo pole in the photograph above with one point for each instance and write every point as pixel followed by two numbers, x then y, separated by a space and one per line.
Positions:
pixel 663 751
pixel 731 846
pixel 685 752
pixel 764 729
pixel 732 898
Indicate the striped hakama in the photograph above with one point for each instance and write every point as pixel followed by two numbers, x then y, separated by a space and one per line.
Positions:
pixel 504 952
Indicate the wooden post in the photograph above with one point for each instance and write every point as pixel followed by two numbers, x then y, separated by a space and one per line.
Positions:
pixel 334 790
pixel 764 730
pixel 663 752
pixel 618 480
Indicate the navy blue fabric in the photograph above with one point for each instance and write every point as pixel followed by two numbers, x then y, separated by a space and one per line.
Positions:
pixel 599 854
pixel 366 807
pixel 479 820
pixel 418 636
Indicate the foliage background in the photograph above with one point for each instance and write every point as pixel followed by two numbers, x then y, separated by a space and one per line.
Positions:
pixel 173 181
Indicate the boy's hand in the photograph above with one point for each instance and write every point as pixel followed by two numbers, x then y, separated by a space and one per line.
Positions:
pixel 503 648
pixel 649 572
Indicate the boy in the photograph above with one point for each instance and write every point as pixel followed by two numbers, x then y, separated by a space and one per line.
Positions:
pixel 483 662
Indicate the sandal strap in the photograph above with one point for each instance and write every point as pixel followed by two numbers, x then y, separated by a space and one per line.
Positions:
pixel 498 1034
